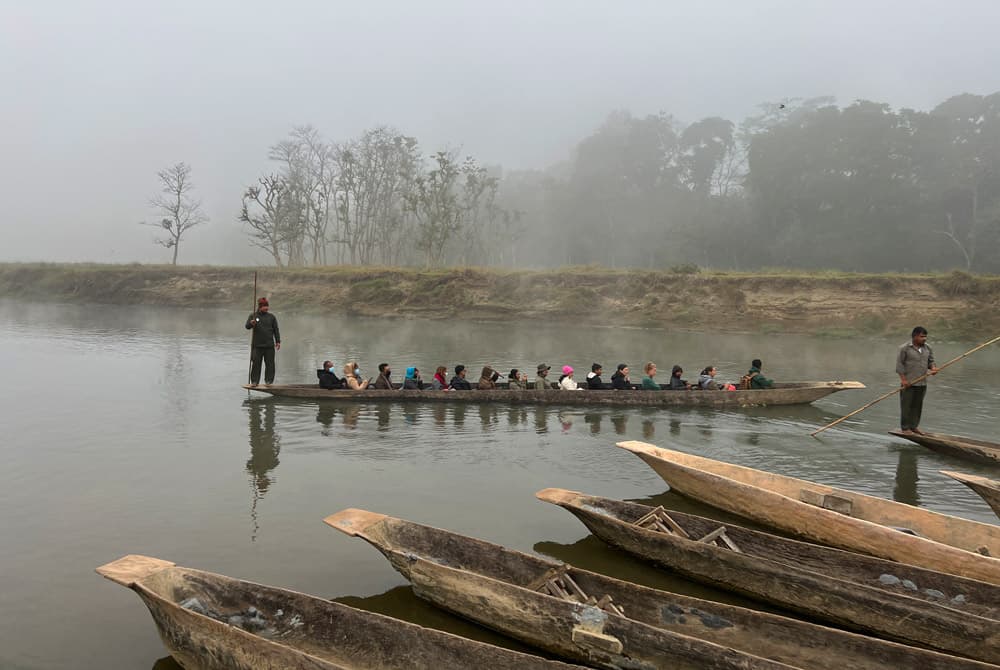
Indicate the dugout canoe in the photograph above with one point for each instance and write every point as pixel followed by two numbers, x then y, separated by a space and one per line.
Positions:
pixel 514 593
pixel 892 600
pixel 789 393
pixel 970 449
pixel 985 488
pixel 214 622
pixel 833 516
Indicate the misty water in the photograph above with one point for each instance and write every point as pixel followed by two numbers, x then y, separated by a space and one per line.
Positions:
pixel 126 431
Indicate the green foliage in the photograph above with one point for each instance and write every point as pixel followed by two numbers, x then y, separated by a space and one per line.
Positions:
pixel 685 269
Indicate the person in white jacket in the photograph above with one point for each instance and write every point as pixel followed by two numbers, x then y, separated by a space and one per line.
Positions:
pixel 566 382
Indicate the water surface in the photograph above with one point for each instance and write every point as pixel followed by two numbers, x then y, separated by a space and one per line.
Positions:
pixel 127 432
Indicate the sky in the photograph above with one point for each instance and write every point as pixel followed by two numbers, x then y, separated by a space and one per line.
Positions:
pixel 98 96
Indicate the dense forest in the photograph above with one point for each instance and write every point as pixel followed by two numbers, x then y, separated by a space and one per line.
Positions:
pixel 805 183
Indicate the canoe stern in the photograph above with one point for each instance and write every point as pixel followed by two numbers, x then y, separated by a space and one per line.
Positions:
pixel 132 569
pixel 354 522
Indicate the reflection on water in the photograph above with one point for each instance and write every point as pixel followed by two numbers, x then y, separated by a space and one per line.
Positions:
pixel 265 444
pixel 167 663
pixel 905 490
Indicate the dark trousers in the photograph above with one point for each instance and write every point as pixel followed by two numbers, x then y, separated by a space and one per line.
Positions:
pixel 911 403
pixel 265 354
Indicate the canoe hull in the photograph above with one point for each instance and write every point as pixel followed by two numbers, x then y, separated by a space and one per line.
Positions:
pixel 985 488
pixel 832 516
pixel 966 448
pixel 784 394
pixel 496 587
pixel 787 573
pixel 203 621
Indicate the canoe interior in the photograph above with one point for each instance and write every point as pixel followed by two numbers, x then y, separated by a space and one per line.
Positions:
pixel 275 628
pixel 767 636
pixel 977 598
pixel 966 448
pixel 950 530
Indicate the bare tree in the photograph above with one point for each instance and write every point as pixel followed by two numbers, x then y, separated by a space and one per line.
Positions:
pixel 434 203
pixel 271 211
pixel 178 211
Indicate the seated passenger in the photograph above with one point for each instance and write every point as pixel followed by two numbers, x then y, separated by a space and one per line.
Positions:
pixel 620 380
pixel 459 382
pixel 566 382
pixel 440 382
pixel 676 383
pixel 487 380
pixel 648 383
pixel 351 379
pixel 413 382
pixel 594 377
pixel 517 380
pixel 754 379
pixel 541 381
pixel 384 373
pixel 706 380
pixel 327 378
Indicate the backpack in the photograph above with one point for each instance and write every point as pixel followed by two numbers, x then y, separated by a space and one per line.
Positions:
pixel 328 380
pixel 747 380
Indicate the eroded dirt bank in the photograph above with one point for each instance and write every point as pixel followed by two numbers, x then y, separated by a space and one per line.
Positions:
pixel 955 304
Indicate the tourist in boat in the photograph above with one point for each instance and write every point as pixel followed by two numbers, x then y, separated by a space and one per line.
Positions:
pixel 459 382
pixel 756 379
pixel 412 381
pixel 384 374
pixel 440 382
pixel 541 381
pixel 487 380
pixel 914 360
pixel 594 380
pixel 266 340
pixel 351 379
pixel 648 383
pixel 706 380
pixel 566 382
pixel 620 380
pixel 327 378
pixel 676 383
pixel 517 380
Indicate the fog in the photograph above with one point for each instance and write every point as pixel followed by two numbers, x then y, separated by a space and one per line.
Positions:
pixel 100 96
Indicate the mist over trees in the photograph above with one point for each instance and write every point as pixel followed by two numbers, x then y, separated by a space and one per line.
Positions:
pixel 802 184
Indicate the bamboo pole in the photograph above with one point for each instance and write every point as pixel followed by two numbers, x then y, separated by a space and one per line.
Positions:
pixel 895 391
pixel 250 366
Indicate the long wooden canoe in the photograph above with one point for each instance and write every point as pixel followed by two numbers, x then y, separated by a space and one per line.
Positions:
pixel 966 448
pixel 642 627
pixel 791 393
pixel 892 600
pixel 213 622
pixel 987 489
pixel 833 516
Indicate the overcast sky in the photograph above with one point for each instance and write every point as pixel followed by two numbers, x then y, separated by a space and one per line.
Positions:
pixel 99 95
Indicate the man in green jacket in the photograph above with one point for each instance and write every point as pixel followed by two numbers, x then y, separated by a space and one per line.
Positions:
pixel 266 340
pixel 914 360
pixel 757 379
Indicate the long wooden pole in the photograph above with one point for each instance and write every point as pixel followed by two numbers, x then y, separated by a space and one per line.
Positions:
pixel 250 366
pixel 894 392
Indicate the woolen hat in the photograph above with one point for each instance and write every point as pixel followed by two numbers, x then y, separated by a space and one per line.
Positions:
pixel 567 370
pixel 262 300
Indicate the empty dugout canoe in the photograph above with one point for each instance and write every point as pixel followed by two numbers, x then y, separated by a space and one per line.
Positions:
pixel 832 516
pixel 987 489
pixel 967 448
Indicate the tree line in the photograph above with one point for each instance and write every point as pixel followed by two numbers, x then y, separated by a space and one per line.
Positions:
pixel 804 183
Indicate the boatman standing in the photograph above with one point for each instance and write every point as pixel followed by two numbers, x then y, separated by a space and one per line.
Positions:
pixel 914 360
pixel 266 340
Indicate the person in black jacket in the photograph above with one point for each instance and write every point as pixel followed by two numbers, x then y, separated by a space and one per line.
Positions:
pixel 327 378
pixel 620 380
pixel 594 377
pixel 266 341
pixel 459 382
pixel 676 383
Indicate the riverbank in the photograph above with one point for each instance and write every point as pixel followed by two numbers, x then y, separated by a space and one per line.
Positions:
pixel 823 303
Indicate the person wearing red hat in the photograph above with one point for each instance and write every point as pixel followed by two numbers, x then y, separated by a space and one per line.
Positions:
pixel 266 340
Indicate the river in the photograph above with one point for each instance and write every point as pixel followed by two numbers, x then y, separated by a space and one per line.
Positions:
pixel 126 431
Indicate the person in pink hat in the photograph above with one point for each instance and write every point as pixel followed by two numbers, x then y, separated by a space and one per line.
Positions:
pixel 566 382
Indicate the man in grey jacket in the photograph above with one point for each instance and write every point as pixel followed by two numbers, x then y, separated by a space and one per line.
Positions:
pixel 914 360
